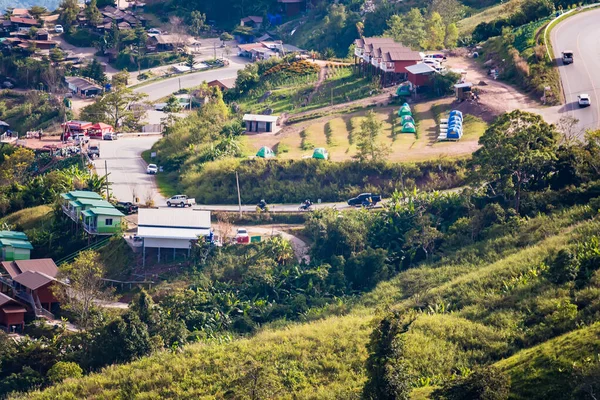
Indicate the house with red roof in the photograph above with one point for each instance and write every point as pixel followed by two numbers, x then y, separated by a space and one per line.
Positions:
pixel 12 314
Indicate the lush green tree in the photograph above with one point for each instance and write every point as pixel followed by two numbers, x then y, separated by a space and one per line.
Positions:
pixel 95 71
pixel 435 32
pixel 386 366
pixel 37 11
pixel 451 39
pixel 367 139
pixel 56 54
pixel 451 11
pixel 63 370
pixel 92 13
pixel 15 166
pixel 487 383
pixel 173 105
pixel 190 61
pixel 408 30
pixel 564 267
pixel 197 23
pixel 85 287
pixel 68 13
pixel 225 37
pixel 366 268
pixel 515 152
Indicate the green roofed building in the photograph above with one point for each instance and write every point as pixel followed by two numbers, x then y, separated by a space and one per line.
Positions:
pixel 14 246
pixel 265 152
pixel 99 217
pixel 102 221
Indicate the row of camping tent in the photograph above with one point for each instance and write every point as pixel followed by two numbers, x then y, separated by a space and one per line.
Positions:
pixel 406 119
pixel 452 127
pixel 319 153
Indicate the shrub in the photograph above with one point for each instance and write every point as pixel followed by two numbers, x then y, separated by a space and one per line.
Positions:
pixel 63 370
pixel 564 267
pixel 483 384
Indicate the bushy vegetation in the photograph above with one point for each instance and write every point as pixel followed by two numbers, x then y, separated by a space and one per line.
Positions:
pixel 31 111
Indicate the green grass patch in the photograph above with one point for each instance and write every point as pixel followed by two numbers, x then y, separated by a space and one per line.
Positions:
pixel 29 218
pixel 167 184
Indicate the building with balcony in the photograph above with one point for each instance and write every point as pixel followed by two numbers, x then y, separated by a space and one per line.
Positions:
pixel 102 221
pixel 31 283
pixel 72 202
pixel 14 246
pixel 384 57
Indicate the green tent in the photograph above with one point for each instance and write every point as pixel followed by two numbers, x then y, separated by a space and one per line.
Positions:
pixel 407 118
pixel 403 90
pixel 265 152
pixel 320 153
pixel 408 127
pixel 404 110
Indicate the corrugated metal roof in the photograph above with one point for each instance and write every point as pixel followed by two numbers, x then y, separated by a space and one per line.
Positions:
pixel 157 232
pixel 85 194
pixel 261 118
pixel 13 309
pixel 33 280
pixel 43 265
pixel 4 299
pixel 420 68
pixel 13 235
pixel 18 244
pixel 94 203
pixel 111 212
pixel 173 218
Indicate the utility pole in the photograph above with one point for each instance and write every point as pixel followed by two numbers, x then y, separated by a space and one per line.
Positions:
pixel 237 180
pixel 106 180
pixel 180 84
pixel 215 49
pixel 332 95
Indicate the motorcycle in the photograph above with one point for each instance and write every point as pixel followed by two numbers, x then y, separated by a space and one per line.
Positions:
pixel 262 207
pixel 305 207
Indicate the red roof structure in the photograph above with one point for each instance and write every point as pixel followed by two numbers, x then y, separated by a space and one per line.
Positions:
pixel 23 21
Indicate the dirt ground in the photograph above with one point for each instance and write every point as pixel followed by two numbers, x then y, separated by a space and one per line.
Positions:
pixel 495 97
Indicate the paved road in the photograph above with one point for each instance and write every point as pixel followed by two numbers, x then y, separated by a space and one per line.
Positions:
pixel 163 88
pixel 127 170
pixel 581 34
pixel 272 207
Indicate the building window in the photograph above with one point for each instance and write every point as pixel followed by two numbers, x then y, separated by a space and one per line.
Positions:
pixel 108 222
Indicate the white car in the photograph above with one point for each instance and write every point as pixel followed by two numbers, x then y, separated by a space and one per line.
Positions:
pixel 154 31
pixel 151 169
pixel 584 100
pixel 242 232
pixel 58 29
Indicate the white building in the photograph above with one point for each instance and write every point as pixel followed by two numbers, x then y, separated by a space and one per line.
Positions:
pixel 171 228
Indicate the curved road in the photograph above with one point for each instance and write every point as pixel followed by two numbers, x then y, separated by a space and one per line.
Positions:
pixel 581 34
pixel 165 87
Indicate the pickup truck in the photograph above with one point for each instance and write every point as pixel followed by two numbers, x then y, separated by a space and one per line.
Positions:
pixel 93 151
pixel 362 198
pixel 567 57
pixel 180 200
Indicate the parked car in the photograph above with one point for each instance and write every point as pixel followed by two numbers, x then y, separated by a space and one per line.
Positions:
pixel 154 31
pixel 584 100
pixel 363 199
pixel 180 200
pixel 93 151
pixel 126 207
pixel 436 56
pixel 79 138
pixel 151 169
pixel 110 136
pixel 58 29
pixel 242 236
pixel 567 57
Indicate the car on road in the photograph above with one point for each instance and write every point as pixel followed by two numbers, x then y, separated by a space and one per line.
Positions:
pixel 126 207
pixel 364 198
pixel 93 151
pixel 567 57
pixel 180 200
pixel 58 29
pixel 584 100
pixel 151 169
pixel 436 56
pixel 110 136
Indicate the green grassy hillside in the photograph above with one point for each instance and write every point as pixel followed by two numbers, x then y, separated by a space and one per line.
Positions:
pixel 489 303
pixel 28 218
